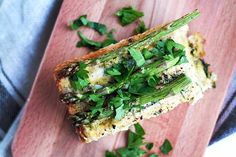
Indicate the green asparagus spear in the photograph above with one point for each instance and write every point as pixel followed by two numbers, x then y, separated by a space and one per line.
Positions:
pixel 152 69
pixel 175 86
pixel 155 36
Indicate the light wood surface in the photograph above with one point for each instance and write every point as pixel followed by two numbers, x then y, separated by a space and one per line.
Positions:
pixel 44 130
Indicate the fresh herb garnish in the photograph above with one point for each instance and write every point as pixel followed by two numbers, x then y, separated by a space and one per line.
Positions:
pixel 128 15
pixel 109 39
pixel 85 42
pixel 100 28
pixel 113 72
pixel 134 143
pixel 166 147
pixel 79 80
pixel 149 146
pixel 137 56
pixel 141 27
pixel 110 154
pixel 83 21
pixel 153 155
pixel 147 54
pixel 153 81
pixel 119 102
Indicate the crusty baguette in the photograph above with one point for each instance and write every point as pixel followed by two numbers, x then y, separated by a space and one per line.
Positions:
pixel 103 127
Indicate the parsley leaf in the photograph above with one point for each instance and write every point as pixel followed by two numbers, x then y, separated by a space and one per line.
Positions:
pixel 79 80
pixel 110 154
pixel 137 56
pixel 141 27
pixel 81 21
pixel 135 141
pixel 139 129
pixel 138 85
pixel 100 28
pixel 128 15
pixel 153 81
pixel 109 40
pixel 98 98
pixel 153 155
pixel 87 42
pixel 147 54
pixel 166 147
pixel 113 72
pixel 119 102
pixel 119 112
pixel 126 152
pixel 149 146
pixel 77 83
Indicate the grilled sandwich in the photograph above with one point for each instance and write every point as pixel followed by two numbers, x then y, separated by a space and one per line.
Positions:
pixel 146 75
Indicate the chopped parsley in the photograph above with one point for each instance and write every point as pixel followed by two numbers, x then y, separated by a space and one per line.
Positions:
pixel 83 21
pixel 135 143
pixel 109 39
pixel 139 129
pixel 141 27
pixel 85 42
pixel 149 146
pixel 127 15
pixel 113 72
pixel 153 155
pixel 100 28
pixel 153 81
pixel 147 54
pixel 119 103
pixel 79 80
pixel 166 147
pixel 137 56
pixel 110 154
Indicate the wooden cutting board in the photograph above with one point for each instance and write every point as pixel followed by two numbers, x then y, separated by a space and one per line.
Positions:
pixel 44 130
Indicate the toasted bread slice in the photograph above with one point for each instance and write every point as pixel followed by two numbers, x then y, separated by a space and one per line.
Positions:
pixel 199 80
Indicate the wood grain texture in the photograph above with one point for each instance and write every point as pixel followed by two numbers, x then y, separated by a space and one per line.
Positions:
pixel 44 130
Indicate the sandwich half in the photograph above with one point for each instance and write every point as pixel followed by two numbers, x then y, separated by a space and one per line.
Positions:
pixel 138 78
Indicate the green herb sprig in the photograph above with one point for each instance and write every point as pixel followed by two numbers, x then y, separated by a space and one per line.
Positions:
pixel 100 28
pixel 134 143
pixel 141 27
pixel 127 15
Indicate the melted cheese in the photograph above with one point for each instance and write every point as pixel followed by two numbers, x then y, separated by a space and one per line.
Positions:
pixel 96 75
